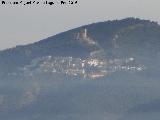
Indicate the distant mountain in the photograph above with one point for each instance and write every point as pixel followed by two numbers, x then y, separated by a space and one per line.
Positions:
pixel 118 39
pixel 102 71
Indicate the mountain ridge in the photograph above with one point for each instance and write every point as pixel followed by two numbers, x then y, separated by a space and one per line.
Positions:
pixel 101 71
pixel 117 39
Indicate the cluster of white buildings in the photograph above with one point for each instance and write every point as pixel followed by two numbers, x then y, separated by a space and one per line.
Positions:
pixel 91 68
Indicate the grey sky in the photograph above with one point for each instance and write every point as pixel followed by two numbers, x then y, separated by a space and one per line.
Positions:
pixel 26 24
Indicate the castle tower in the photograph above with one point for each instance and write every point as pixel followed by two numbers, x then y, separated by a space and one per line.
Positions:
pixel 85 32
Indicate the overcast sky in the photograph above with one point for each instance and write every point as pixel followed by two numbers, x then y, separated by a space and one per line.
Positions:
pixel 26 24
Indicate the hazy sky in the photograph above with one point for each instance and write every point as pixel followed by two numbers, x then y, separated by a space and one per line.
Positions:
pixel 26 24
